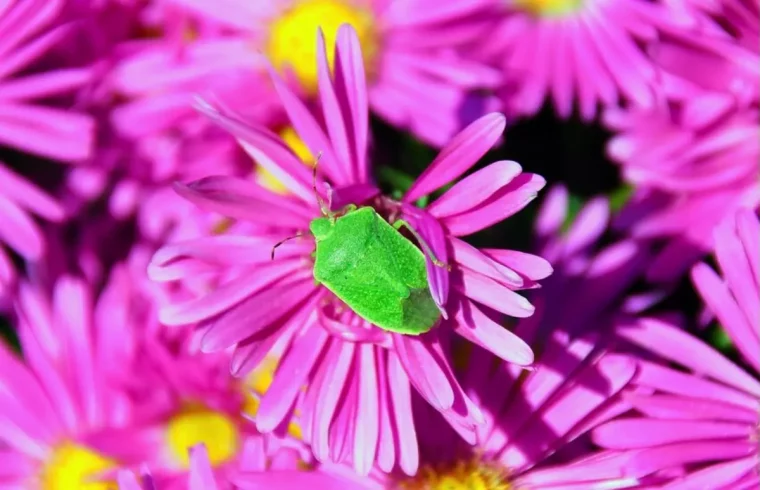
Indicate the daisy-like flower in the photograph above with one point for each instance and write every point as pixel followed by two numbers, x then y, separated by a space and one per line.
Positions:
pixel 693 164
pixel 66 419
pixel 28 30
pixel 357 377
pixel 416 78
pixel 696 412
pixel 584 52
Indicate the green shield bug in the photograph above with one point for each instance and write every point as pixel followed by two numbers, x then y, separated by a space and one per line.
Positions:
pixel 374 269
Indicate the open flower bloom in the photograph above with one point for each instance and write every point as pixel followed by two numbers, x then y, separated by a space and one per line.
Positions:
pixel 416 79
pixel 696 413
pixel 584 52
pixel 67 420
pixel 351 380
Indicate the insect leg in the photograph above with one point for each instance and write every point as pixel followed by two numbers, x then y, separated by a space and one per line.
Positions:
pixel 274 247
pixel 323 207
pixel 400 222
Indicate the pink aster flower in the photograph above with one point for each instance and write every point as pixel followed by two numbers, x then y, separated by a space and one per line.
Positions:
pixel 358 378
pixel 577 52
pixel 693 164
pixel 28 30
pixel 416 79
pixel 695 415
pixel 65 418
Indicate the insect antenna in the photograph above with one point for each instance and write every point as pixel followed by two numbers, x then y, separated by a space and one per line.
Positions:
pixel 323 207
pixel 274 247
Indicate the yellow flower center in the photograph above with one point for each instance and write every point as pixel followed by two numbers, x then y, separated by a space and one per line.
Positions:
pixel 471 474
pixel 200 425
pixel 73 466
pixel 292 38
pixel 296 144
pixel 256 384
pixel 549 8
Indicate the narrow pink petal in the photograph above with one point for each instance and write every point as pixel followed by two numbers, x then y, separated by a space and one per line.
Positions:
pixel 718 298
pixel 341 356
pixel 677 345
pixel 464 150
pixel 368 417
pixel 401 397
pixel 748 230
pixel 553 212
pixel 674 455
pixel 269 151
pixel 507 201
pixel 225 296
pixel 475 326
pixel 21 57
pixel 256 313
pixel 689 408
pixel 240 199
pixel 128 481
pixel 386 443
pixel 724 475
pixel 291 375
pixel 290 480
pixel 424 370
pixel 475 188
pixel 465 255
pixel 45 85
pixel 232 13
pixel 201 475
pixel 18 231
pixel 310 132
pixel 528 265
pixel 490 293
pixel 588 226
pixel 54 133
pixel 636 433
pixel 334 116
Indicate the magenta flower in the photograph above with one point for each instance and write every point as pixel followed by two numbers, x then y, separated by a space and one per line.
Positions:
pixel 416 79
pixel 572 51
pixel 695 414
pixel 65 418
pixel 692 164
pixel 28 30
pixel 356 406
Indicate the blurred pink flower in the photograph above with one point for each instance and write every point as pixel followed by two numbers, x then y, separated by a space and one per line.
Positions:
pixel 573 51
pixel 692 164
pixel 356 406
pixel 29 122
pixel 417 80
pixel 697 413
pixel 65 418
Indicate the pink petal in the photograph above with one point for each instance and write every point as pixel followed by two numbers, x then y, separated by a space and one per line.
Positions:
pixel 674 455
pixel 635 433
pixel 368 418
pixel 464 150
pixel 490 293
pixel 201 475
pixel 424 370
pixel 475 326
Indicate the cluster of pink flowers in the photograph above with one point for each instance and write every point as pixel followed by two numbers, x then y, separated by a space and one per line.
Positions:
pixel 155 154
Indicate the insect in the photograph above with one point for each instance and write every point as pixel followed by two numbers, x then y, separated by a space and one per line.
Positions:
pixel 374 269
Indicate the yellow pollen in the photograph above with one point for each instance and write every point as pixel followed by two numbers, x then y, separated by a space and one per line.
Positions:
pixel 463 475
pixel 296 144
pixel 200 425
pixel 292 38
pixel 256 384
pixel 74 466
pixel 549 8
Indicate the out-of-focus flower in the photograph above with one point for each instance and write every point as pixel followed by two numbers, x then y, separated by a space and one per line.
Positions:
pixel 692 164
pixel 357 398
pixel 696 413
pixel 65 418
pixel 584 52
pixel 29 122
pixel 417 80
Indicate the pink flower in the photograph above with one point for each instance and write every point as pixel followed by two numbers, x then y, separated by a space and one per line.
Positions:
pixel 572 51
pixel 356 406
pixel 416 78
pixel 28 30
pixel 692 163
pixel 65 418
pixel 695 414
